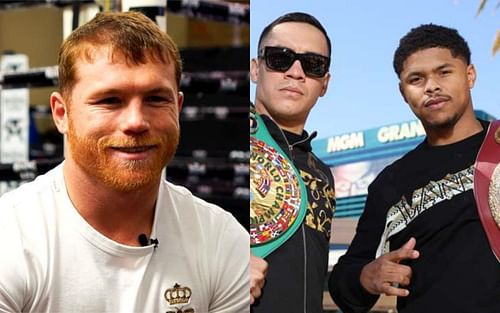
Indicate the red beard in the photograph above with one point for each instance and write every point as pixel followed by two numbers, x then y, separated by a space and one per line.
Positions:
pixel 94 155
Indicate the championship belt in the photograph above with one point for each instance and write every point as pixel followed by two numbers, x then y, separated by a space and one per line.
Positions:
pixel 487 186
pixel 278 196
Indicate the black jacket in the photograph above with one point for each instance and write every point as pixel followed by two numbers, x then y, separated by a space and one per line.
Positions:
pixel 297 269
pixel 456 271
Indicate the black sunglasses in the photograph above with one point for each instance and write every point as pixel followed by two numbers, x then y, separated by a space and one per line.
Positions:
pixel 281 59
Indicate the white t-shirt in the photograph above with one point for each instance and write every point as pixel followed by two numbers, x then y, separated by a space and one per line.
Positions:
pixel 52 260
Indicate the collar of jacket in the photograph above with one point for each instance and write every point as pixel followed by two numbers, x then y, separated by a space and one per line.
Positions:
pixel 301 142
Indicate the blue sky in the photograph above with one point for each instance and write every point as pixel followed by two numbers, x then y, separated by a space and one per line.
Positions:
pixel 363 92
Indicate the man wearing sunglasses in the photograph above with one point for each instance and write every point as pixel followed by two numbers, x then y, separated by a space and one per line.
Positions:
pixel 291 72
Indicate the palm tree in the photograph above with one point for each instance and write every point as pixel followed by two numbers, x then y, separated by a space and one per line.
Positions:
pixel 496 43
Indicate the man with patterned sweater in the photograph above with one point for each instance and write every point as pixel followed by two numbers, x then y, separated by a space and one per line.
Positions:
pixel 421 236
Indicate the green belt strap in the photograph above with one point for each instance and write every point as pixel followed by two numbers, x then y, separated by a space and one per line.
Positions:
pixel 278 196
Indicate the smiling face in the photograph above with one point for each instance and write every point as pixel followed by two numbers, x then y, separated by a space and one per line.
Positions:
pixel 122 120
pixel 437 86
pixel 289 96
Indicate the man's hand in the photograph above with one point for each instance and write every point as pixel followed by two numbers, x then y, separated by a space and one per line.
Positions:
pixel 258 271
pixel 383 274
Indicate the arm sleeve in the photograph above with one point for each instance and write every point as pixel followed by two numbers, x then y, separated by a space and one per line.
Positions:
pixel 344 282
pixel 12 265
pixel 231 263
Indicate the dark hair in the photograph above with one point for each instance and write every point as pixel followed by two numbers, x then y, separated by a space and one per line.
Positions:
pixel 430 36
pixel 298 17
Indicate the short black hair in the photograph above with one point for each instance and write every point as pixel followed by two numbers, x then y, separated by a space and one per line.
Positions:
pixel 430 36
pixel 298 17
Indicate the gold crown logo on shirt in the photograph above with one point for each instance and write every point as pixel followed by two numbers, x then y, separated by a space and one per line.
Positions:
pixel 178 295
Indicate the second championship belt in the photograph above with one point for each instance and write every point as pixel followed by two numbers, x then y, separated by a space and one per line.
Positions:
pixel 487 186
pixel 278 196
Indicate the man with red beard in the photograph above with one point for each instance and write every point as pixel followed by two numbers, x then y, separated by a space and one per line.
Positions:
pixel 77 238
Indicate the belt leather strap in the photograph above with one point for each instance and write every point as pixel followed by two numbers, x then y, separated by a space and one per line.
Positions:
pixel 487 186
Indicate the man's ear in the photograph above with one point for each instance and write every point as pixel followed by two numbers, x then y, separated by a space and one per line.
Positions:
pixel 401 91
pixel 59 112
pixel 325 82
pixel 254 70
pixel 471 75
pixel 180 100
